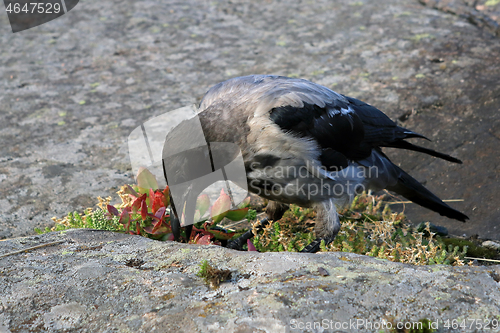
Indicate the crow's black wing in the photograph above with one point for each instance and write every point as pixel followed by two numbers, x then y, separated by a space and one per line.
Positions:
pixel 336 128
pixel 347 130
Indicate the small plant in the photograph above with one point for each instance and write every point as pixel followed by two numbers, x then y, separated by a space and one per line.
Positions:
pixel 144 210
pixel 211 275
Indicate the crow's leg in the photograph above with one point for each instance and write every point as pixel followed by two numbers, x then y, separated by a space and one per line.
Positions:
pixel 176 227
pixel 237 244
pixel 327 226
pixel 274 212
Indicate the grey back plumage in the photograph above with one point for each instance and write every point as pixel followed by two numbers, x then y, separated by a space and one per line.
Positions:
pixel 238 110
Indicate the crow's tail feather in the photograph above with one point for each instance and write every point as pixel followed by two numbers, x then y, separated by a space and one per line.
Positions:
pixel 409 146
pixel 412 190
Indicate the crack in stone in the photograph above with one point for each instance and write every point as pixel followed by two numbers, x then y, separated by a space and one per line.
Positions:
pixel 462 10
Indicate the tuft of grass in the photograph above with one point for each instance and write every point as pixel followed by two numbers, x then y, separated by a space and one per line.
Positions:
pixel 213 276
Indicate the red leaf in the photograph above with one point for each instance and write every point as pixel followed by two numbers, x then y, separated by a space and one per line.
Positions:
pixel 250 245
pixel 194 232
pixel 160 213
pixel 138 227
pixel 125 219
pixel 138 203
pixel 144 210
pixel 157 227
pixel 166 196
pixel 205 240
pixel 157 202
pixel 112 210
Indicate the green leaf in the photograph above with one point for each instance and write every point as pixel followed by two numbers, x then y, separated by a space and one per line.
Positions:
pixel 244 203
pixel 166 196
pixel 197 215
pixel 146 180
pixel 237 214
pixel 222 235
pixel 151 198
pixel 130 190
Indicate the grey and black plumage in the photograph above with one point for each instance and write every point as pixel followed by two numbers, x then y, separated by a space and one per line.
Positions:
pixel 283 125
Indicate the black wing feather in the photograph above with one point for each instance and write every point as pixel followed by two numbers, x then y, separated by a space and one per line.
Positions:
pixel 351 128
pixel 379 128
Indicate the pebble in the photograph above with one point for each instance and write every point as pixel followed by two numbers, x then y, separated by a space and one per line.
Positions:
pixel 491 245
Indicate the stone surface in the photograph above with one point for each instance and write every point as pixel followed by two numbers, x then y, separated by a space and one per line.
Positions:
pixel 73 89
pixel 84 285
pixel 491 245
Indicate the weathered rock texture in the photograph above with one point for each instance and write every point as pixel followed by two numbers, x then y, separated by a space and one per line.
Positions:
pixel 72 90
pixel 84 285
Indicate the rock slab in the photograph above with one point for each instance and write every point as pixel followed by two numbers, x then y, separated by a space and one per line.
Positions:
pixel 98 281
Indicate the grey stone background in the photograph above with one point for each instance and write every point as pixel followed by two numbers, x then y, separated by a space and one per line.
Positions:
pixel 72 90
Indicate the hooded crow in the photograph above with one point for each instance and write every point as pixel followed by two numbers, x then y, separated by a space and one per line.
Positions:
pixel 305 144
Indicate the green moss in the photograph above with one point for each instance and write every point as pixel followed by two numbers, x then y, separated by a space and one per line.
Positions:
pixel 473 250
